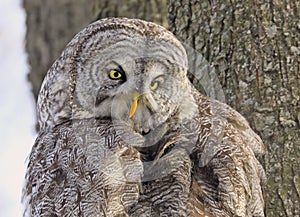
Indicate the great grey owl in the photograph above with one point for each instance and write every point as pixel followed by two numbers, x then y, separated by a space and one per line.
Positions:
pixel 124 133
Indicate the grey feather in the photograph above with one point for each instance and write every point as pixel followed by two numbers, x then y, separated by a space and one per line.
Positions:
pixel 124 133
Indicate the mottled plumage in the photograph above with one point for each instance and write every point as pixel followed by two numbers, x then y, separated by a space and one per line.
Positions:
pixel 124 133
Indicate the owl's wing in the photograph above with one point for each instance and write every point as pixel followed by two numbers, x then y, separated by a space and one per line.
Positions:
pixel 226 169
pixel 81 168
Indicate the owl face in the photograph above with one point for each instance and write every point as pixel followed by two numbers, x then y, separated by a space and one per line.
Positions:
pixel 132 77
pixel 128 70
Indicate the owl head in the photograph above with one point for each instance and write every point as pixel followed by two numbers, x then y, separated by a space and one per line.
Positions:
pixel 125 69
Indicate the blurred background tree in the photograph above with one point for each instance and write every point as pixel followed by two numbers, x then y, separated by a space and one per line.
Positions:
pixel 253 47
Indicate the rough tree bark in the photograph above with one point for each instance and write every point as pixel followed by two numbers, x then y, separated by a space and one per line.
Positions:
pixel 52 24
pixel 254 48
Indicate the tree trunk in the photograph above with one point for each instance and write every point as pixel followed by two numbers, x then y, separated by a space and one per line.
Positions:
pixel 151 10
pixel 52 24
pixel 253 47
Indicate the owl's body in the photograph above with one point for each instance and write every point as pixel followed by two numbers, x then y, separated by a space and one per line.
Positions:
pixel 70 174
pixel 124 133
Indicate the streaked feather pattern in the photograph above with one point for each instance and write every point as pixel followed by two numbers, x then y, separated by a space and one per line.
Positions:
pixel 80 168
pixel 177 153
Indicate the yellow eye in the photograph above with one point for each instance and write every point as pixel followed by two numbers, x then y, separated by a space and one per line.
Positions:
pixel 115 74
pixel 154 85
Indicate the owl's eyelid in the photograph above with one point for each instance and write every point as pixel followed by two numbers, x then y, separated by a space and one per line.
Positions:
pixel 156 82
pixel 122 70
pixel 159 79
pixel 113 65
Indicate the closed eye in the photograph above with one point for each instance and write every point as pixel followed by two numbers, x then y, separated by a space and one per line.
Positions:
pixel 154 85
pixel 156 82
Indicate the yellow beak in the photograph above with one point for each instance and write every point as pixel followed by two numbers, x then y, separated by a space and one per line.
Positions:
pixel 134 104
